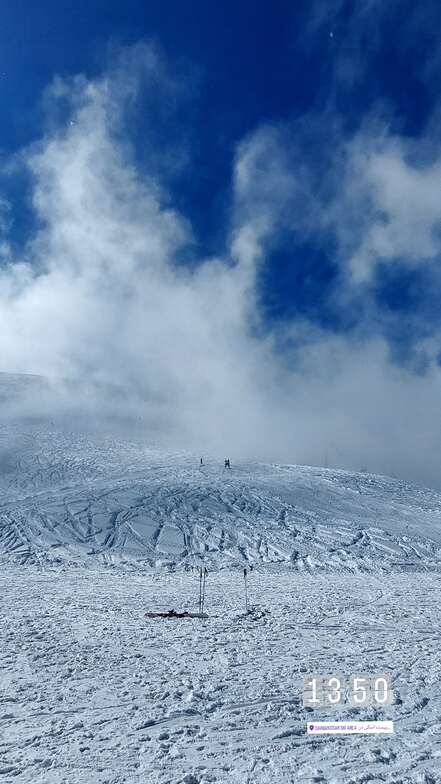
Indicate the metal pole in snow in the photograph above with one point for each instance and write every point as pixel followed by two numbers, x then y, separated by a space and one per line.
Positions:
pixel 246 589
pixel 203 589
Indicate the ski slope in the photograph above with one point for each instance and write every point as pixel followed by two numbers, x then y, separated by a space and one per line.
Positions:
pixel 95 531
pixel 71 498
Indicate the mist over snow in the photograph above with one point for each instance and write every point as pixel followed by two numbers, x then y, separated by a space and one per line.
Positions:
pixel 101 302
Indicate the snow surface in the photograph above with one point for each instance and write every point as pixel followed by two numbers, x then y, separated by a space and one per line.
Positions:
pixel 72 498
pixel 96 531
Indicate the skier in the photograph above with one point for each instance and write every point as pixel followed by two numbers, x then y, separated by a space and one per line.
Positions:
pixel 227 462
pixel 201 462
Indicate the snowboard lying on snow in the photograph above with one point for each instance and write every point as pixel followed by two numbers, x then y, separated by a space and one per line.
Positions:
pixel 175 614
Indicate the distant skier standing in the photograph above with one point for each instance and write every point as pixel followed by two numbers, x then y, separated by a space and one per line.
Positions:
pixel 202 461
pixel 227 462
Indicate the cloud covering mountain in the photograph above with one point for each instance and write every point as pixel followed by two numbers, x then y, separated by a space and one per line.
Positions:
pixel 109 290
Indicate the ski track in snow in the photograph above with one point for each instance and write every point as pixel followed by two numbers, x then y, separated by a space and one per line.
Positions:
pixel 95 531
pixel 66 498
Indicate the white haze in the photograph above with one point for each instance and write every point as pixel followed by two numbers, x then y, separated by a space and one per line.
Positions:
pixel 100 296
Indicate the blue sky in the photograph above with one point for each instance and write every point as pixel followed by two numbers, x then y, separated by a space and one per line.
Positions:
pixel 271 171
pixel 244 64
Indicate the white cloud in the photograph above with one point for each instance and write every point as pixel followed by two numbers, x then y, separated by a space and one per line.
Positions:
pixel 393 200
pixel 100 298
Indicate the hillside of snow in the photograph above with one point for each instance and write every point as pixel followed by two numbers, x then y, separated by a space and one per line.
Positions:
pixel 72 498
pixel 96 530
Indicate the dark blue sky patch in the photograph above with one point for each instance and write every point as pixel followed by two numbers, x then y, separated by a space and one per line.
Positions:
pixel 407 302
pixel 297 281
pixel 398 288
pixel 409 295
pixel 380 56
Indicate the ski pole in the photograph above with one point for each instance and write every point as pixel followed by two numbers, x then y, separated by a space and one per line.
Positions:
pixel 246 589
pixel 203 591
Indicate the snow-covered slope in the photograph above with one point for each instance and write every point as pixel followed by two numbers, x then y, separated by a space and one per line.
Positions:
pixel 71 498
pixel 92 690
pixel 18 385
